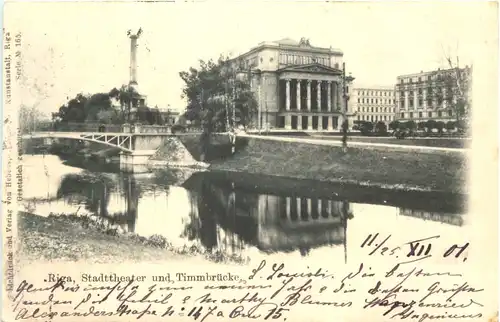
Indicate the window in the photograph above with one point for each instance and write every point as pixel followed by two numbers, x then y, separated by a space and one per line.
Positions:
pixel 402 81
pixel 411 81
pixel 411 103
pixel 430 114
pixel 402 115
pixel 450 113
pixel 411 115
pixel 419 79
pixel 420 114
pixel 429 77
pixel 358 100
pixel 376 101
pixel 420 102
pixel 420 91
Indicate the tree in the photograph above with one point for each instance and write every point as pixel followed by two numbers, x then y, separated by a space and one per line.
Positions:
pixel 73 110
pixel 125 95
pixel 87 108
pixel 421 126
pixel 211 89
pixel 30 118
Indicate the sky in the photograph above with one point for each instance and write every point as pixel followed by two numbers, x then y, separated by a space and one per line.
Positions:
pixel 83 47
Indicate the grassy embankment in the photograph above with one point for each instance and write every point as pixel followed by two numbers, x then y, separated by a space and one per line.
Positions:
pixel 431 142
pixel 72 238
pixel 377 167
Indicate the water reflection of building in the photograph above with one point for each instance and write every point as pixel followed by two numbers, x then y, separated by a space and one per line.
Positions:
pixel 231 219
pixel 114 202
pixel 445 218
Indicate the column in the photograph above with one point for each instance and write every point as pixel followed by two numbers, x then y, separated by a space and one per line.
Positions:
pixel 329 96
pixel 299 122
pixel 309 95
pixel 299 211
pixel 318 89
pixel 319 207
pixel 329 208
pixel 287 94
pixel 309 122
pixel 337 91
pixel 298 94
pixel 309 207
pixel 288 204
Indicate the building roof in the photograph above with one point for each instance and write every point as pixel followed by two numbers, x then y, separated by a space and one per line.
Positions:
pixel 431 71
pixel 302 45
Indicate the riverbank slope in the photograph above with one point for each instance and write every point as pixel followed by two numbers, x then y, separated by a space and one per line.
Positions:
pixel 384 167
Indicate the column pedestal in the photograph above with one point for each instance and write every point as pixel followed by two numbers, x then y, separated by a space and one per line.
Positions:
pixel 330 124
pixel 288 122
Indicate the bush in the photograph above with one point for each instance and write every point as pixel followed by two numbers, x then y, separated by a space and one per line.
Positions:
pixel 440 126
pixel 366 128
pixel 450 125
pixel 380 128
pixel 178 128
pixel 394 125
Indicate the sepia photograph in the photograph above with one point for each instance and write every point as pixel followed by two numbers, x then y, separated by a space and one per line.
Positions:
pixel 313 156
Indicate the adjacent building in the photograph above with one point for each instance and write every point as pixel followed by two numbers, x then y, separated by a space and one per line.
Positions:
pixel 430 95
pixel 298 86
pixel 374 104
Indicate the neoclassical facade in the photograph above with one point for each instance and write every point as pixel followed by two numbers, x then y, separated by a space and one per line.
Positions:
pixel 298 86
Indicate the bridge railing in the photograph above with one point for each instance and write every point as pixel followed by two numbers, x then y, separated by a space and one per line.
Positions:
pixel 113 128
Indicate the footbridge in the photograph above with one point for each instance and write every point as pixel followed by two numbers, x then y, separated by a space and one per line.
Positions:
pixel 137 146
pixel 122 141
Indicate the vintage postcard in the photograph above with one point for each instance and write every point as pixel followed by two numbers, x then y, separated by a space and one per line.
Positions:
pixel 249 161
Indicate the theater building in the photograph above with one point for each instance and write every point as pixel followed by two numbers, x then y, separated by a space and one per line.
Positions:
pixel 298 86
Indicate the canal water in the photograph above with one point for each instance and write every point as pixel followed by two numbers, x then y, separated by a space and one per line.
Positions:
pixel 246 217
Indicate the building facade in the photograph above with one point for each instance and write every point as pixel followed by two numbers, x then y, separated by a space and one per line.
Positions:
pixel 430 95
pixel 374 104
pixel 298 86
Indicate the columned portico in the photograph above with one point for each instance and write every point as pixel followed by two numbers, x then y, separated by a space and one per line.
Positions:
pixel 310 98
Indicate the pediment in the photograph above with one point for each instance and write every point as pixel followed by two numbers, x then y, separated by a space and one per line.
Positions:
pixel 312 68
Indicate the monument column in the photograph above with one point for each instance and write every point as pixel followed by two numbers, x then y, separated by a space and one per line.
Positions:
pixel 309 95
pixel 287 94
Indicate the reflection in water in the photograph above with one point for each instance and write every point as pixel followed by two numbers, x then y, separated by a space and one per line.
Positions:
pixel 216 215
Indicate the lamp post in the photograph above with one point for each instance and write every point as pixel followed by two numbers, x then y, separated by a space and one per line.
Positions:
pixel 345 96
